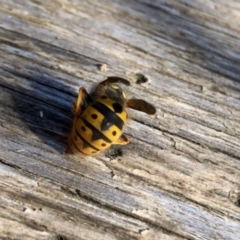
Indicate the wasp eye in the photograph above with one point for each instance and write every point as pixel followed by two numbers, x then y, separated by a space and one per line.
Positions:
pixel 94 116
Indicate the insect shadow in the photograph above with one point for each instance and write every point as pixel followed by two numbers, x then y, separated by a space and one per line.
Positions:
pixel 44 105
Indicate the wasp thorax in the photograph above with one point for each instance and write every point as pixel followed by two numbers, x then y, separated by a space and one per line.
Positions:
pixel 115 93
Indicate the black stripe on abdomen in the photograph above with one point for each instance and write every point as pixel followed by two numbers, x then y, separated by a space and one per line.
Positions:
pixel 110 117
pixel 96 134
pixel 75 146
pixel 85 142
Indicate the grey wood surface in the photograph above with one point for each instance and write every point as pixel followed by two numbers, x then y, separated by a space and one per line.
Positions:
pixel 179 176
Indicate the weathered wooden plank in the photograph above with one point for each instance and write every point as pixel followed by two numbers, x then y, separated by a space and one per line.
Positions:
pixel 179 176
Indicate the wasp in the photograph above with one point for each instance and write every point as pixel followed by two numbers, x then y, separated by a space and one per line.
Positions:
pixel 99 117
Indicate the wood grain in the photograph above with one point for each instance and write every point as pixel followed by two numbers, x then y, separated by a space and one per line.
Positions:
pixel 179 176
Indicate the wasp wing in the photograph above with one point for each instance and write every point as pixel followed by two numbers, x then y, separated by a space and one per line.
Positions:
pixel 141 105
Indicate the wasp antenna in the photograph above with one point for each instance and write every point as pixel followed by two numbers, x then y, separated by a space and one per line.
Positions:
pixel 113 79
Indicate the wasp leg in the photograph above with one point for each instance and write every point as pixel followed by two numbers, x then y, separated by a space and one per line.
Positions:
pixel 83 96
pixel 78 108
pixel 114 80
pixel 141 105
pixel 123 140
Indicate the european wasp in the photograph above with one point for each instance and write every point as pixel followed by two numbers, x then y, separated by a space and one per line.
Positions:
pixel 99 118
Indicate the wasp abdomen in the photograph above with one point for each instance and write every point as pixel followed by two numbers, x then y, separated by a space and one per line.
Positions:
pixel 100 125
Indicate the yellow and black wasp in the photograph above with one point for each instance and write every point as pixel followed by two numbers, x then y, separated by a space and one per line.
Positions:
pixel 100 117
